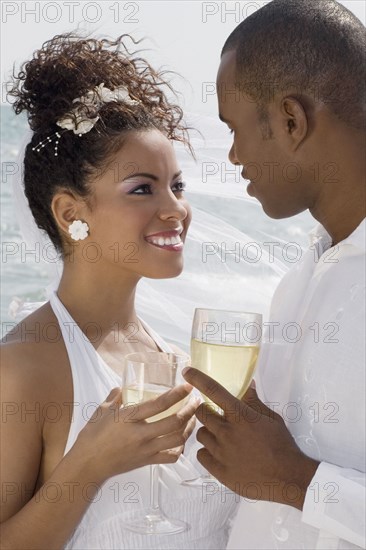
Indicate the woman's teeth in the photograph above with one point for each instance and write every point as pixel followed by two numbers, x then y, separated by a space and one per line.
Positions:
pixel 168 241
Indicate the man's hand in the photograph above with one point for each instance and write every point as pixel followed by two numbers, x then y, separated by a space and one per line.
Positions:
pixel 249 449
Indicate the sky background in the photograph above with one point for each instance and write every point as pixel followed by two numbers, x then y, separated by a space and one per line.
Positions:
pixel 187 37
pixel 184 36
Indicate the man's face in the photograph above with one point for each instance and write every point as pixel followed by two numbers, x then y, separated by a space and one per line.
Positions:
pixel 274 169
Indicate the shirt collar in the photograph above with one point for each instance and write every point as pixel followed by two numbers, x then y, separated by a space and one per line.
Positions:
pixel 357 238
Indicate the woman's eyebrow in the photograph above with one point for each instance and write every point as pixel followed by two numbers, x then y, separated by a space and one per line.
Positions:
pixel 146 175
pixel 141 174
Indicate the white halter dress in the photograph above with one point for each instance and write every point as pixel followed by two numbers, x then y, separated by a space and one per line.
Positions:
pixel 208 510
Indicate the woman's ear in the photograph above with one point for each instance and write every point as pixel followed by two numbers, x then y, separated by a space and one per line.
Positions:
pixel 66 208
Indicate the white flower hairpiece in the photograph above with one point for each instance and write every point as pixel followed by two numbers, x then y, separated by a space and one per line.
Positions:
pixel 77 119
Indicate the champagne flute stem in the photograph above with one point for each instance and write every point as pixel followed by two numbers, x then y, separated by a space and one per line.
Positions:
pixel 154 488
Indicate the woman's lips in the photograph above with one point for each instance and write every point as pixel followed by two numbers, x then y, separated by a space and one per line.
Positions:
pixel 166 242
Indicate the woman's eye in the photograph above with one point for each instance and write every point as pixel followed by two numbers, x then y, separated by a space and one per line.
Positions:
pixel 179 186
pixel 144 189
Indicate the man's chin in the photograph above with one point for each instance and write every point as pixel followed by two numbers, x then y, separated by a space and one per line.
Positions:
pixel 280 212
pixel 250 189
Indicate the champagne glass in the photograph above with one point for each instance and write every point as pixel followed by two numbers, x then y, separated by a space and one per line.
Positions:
pixel 225 345
pixel 146 376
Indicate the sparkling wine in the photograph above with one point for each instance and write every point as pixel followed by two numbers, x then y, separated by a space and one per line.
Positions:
pixel 133 394
pixel 231 366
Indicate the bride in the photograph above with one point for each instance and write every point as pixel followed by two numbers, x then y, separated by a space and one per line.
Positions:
pixel 102 181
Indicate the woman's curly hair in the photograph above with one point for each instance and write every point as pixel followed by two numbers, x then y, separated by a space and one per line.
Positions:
pixel 67 67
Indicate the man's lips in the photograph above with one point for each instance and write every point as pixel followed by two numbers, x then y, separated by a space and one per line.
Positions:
pixel 250 186
pixel 244 176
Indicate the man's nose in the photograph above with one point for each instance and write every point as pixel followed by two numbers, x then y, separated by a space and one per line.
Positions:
pixel 232 156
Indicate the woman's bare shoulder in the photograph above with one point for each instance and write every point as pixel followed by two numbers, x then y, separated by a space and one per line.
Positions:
pixel 35 328
pixel 33 351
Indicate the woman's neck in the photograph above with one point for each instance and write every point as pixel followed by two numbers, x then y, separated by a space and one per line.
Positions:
pixel 102 300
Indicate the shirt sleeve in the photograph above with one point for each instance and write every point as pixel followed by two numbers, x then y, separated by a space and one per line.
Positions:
pixel 335 502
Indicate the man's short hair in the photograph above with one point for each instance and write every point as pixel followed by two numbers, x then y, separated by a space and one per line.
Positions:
pixel 312 47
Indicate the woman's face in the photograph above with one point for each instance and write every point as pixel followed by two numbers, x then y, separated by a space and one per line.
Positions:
pixel 139 218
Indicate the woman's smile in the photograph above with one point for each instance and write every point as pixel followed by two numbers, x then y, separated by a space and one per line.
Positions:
pixel 167 240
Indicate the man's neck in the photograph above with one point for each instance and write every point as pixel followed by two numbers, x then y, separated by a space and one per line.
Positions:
pixel 341 206
pixel 340 194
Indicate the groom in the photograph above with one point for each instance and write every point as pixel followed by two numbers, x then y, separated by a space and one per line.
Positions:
pixel 291 87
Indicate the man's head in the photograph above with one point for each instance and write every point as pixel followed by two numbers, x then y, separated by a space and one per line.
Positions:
pixel 290 74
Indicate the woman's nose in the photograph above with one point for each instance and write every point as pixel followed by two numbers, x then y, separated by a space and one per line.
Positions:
pixel 172 208
pixel 232 156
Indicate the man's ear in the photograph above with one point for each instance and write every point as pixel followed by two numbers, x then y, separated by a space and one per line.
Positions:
pixel 294 121
pixel 67 207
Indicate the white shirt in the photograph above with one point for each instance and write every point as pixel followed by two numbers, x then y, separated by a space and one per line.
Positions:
pixel 312 372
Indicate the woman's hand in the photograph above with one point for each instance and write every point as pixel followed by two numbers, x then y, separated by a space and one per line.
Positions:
pixel 118 439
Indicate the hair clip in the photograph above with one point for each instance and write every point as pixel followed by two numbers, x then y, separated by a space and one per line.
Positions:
pixel 78 120
pixel 56 136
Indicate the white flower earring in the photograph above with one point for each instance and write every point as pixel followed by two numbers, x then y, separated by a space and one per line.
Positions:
pixel 78 230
